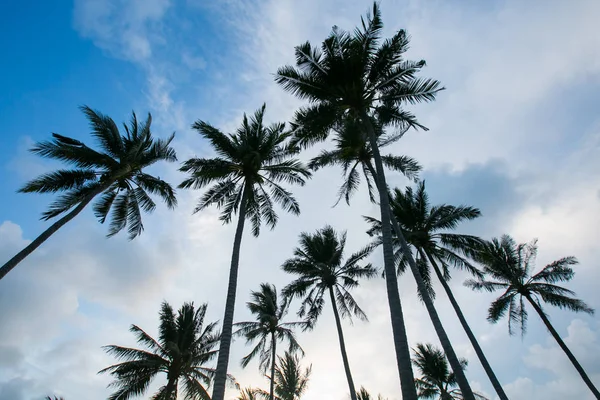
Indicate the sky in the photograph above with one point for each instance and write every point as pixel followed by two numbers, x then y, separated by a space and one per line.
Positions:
pixel 516 133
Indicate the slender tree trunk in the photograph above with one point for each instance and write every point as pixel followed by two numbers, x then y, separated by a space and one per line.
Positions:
pixel 273 355
pixel 226 332
pixel 10 264
pixel 563 346
pixel 338 323
pixel 461 379
pixel 407 384
pixel 484 362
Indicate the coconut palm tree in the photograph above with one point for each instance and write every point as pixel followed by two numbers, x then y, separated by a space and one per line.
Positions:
pixel 246 178
pixel 249 393
pixel 115 171
pixel 353 75
pixel 426 228
pixel 363 394
pixel 437 381
pixel 183 349
pixel 319 264
pixel 352 152
pixel 509 266
pixel 268 329
pixel 291 380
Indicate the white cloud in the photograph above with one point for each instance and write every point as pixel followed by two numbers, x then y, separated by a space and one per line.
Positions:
pixel 502 64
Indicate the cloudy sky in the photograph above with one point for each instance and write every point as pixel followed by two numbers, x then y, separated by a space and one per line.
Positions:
pixel 516 133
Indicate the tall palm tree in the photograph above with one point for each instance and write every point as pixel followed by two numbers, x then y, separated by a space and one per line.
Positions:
pixel 437 381
pixel 183 348
pixel 246 178
pixel 509 266
pixel 352 152
pixel 356 76
pixel 268 329
pixel 116 171
pixel 426 228
pixel 322 271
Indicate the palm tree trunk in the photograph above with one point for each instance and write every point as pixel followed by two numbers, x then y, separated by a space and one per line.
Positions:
pixel 273 354
pixel 30 248
pixel 226 332
pixel 563 346
pixel 461 379
pixel 338 323
pixel 484 362
pixel 171 389
pixel 401 346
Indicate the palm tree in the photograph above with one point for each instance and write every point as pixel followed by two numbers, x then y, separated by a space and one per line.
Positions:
pixel 249 393
pixel 319 263
pixel 363 394
pixel 425 228
pixel 246 179
pixel 54 398
pixel 183 348
pixel 268 329
pixel 356 76
pixel 509 266
pixel 352 152
pixel 116 171
pixel 290 379
pixel 437 381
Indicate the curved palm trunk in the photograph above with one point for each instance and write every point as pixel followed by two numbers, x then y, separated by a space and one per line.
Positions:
pixel 226 332
pixel 563 346
pixel 398 327
pixel 461 379
pixel 10 264
pixel 273 354
pixel 338 323
pixel 482 359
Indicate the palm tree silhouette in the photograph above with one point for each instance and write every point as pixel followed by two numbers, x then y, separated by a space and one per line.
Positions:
pixel 268 329
pixel 183 348
pixel 509 266
pixel 322 271
pixel 115 171
pixel 245 176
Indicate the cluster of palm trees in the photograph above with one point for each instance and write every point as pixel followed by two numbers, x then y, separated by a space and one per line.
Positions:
pixel 356 86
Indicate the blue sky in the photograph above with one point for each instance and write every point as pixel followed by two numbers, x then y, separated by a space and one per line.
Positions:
pixel 516 133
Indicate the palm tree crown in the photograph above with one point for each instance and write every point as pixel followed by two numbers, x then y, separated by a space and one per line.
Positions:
pixel 184 346
pixel 355 74
pixel 352 152
pixel 320 265
pixel 509 265
pixel 291 380
pixel 115 170
pixel 251 164
pixel 269 323
pixel 437 381
pixel 426 227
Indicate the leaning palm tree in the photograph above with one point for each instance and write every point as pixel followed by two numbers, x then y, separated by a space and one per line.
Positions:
pixel 181 352
pixel 322 271
pixel 352 152
pixel 356 76
pixel 246 175
pixel 509 266
pixel 437 381
pixel 426 228
pixel 268 329
pixel 115 171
